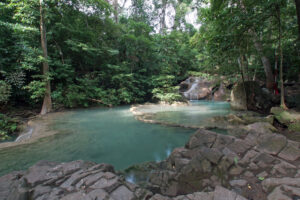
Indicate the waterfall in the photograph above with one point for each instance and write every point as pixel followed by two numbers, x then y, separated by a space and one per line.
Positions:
pixel 192 94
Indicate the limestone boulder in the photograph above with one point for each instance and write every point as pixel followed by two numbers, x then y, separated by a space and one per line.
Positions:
pixel 250 96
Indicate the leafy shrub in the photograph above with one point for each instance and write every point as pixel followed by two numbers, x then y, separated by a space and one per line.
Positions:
pixel 8 126
pixel 5 91
pixel 37 90
pixel 164 89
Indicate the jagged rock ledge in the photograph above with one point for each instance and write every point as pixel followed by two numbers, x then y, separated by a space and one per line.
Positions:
pixel 82 180
pixel 256 164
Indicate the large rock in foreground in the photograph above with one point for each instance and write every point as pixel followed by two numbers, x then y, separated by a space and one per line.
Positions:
pixel 249 96
pixel 77 180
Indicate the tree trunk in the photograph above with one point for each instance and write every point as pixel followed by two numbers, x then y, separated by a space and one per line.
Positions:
pixel 265 61
pixel 282 102
pixel 297 2
pixel 259 48
pixel 47 104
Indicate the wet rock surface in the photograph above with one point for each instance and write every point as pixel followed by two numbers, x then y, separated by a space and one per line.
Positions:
pixel 211 166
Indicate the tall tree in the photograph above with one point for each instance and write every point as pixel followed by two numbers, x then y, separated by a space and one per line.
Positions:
pixel 278 15
pixel 259 47
pixel 47 103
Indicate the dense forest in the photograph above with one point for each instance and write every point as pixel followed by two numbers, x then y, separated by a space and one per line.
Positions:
pixel 77 53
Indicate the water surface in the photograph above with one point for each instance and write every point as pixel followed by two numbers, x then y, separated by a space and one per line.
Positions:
pixel 111 136
pixel 100 135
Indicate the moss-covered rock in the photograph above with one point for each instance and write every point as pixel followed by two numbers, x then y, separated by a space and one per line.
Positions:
pixel 289 118
pixel 294 127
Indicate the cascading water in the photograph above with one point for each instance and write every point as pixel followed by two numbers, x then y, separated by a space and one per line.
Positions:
pixel 191 93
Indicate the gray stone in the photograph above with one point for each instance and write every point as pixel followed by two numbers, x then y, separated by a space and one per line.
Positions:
pixel 221 193
pixel 290 153
pixel 236 170
pixel 18 194
pixel 213 155
pixel 265 158
pixel 180 162
pixel 38 173
pixel 122 193
pixel 272 144
pixel 239 197
pixel 201 196
pixel 248 156
pixel 239 146
pixel 291 190
pixel 263 174
pixel 70 167
pixel 273 182
pixel 239 183
pixel 223 141
pixel 75 178
pixel 277 194
pixel 248 174
pixel 89 180
pixel 159 197
pixel 40 190
pixel 76 196
pixel 284 168
pixel 202 138
pixel 253 166
pixel 98 194
pixel 106 184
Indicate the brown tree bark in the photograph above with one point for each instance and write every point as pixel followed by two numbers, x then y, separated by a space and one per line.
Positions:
pixel 265 61
pixel 47 103
pixel 282 101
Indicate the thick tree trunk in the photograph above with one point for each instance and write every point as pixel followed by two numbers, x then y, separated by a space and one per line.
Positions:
pixel 297 2
pixel 265 61
pixel 282 101
pixel 47 104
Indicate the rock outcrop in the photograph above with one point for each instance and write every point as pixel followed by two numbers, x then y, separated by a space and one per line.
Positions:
pixel 196 88
pixel 250 96
pixel 288 118
pixel 244 164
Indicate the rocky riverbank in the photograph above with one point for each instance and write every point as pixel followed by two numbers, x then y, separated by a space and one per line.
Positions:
pixel 257 163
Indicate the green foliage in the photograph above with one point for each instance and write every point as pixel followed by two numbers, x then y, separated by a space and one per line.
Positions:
pixel 164 89
pixel 37 90
pixel 5 92
pixel 8 126
pixel 94 60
